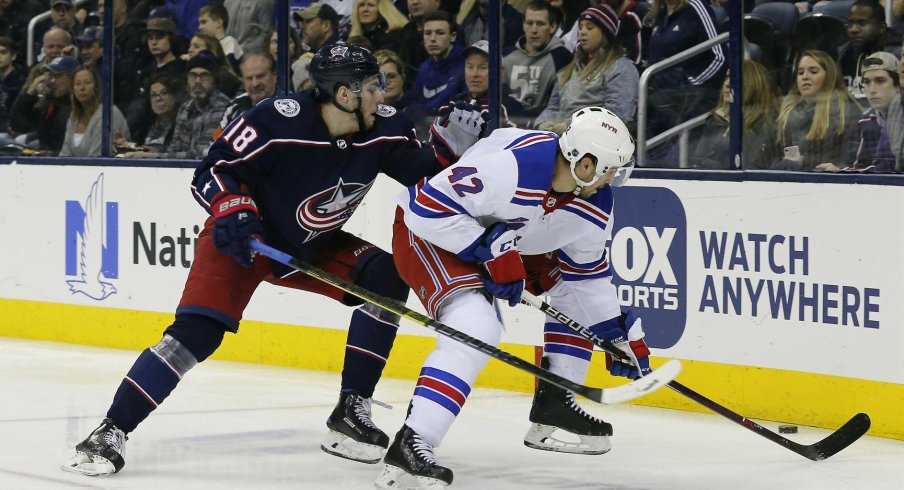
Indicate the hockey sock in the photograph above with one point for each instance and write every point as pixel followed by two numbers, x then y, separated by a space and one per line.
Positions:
pixel 157 371
pixel 146 385
pixel 370 337
pixel 449 371
pixel 568 352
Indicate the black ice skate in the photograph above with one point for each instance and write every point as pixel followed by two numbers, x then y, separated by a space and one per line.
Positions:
pixel 101 453
pixel 410 464
pixel 353 434
pixel 555 408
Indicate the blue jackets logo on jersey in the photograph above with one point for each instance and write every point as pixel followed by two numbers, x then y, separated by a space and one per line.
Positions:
pixel 649 260
pixel 92 244
pixel 330 208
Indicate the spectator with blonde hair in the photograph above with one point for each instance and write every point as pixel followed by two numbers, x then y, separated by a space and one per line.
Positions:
pixel 393 69
pixel 83 130
pixel 818 116
pixel 760 109
pixel 599 75
pixel 379 21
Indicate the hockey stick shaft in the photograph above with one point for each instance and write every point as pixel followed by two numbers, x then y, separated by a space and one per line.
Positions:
pixel 838 440
pixel 596 394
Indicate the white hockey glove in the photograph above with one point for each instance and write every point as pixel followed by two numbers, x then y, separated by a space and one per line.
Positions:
pixel 462 126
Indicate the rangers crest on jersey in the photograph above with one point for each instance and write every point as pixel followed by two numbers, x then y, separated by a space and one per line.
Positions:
pixel 330 208
pixel 287 107
pixel 385 110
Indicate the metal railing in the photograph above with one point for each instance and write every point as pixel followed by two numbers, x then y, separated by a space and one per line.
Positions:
pixel 645 81
pixel 683 131
pixel 30 53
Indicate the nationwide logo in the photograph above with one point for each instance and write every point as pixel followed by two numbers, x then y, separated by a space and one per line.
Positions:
pixel 92 244
pixel 330 208
pixel 649 260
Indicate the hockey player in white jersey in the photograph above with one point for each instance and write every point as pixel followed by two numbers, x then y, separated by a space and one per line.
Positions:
pixel 459 238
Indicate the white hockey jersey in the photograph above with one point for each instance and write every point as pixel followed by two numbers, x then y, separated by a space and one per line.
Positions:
pixel 506 177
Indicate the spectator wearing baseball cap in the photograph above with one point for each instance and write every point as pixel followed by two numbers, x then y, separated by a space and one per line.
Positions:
pixel 319 25
pixel 90 47
pixel 599 74
pixel 44 106
pixel 881 83
pixel 160 37
pixel 477 85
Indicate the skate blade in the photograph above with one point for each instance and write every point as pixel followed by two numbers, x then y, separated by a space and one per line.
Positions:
pixel 396 478
pixel 339 444
pixel 541 437
pixel 84 464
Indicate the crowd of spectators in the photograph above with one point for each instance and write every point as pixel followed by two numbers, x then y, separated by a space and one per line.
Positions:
pixel 184 69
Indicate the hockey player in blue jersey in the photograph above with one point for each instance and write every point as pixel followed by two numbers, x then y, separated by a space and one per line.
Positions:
pixel 458 241
pixel 291 171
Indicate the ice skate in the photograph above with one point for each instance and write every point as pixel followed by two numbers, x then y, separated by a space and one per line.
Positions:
pixel 410 464
pixel 353 434
pixel 101 453
pixel 556 409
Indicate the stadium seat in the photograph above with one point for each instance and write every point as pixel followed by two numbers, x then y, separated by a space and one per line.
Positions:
pixel 772 26
pixel 837 8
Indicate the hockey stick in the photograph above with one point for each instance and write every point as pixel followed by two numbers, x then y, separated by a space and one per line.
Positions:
pixel 607 396
pixel 834 442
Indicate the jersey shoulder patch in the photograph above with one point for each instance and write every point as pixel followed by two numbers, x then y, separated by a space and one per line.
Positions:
pixel 385 110
pixel 287 107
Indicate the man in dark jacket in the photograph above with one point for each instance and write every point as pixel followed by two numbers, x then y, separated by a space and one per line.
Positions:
pixel 867 34
pixel 43 107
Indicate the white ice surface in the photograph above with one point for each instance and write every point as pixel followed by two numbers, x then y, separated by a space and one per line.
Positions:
pixel 243 426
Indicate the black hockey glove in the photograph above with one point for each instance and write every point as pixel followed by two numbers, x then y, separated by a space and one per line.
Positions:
pixel 237 221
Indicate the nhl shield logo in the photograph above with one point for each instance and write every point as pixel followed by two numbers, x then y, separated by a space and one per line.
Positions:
pixel 287 107
pixel 385 110
pixel 550 202
pixel 341 144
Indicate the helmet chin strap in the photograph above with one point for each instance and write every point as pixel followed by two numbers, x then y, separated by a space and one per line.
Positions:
pixel 356 111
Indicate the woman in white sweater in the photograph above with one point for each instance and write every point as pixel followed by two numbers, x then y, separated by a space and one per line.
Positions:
pixel 83 130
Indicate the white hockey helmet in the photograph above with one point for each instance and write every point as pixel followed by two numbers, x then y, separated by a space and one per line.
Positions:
pixel 598 132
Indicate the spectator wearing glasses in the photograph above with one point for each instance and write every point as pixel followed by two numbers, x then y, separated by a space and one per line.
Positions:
pixel 393 69
pixel 867 34
pixel 161 41
pixel 43 107
pixel 198 118
pixel 166 94
pixel 83 130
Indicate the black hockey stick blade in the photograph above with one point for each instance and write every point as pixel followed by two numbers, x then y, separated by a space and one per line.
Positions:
pixel 852 430
pixel 606 396
pixel 843 437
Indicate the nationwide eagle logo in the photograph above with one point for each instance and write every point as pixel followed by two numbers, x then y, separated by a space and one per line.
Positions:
pixel 92 244
pixel 330 208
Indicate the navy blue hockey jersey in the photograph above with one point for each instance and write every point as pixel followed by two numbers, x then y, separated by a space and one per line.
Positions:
pixel 305 183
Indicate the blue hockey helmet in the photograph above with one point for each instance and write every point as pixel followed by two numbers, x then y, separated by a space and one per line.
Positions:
pixel 339 64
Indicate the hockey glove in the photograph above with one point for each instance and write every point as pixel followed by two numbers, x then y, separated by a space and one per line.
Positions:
pixel 627 334
pixel 236 222
pixel 461 127
pixel 497 251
